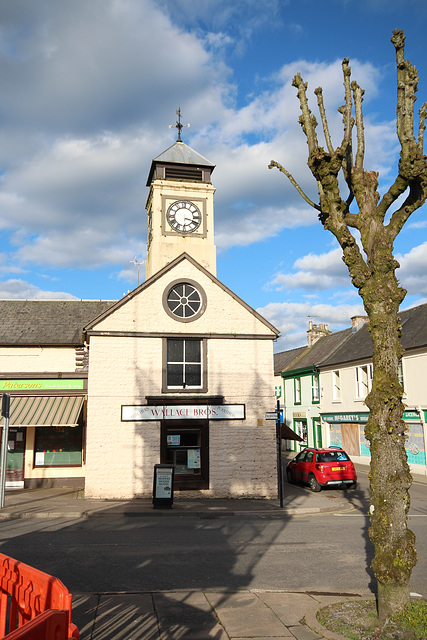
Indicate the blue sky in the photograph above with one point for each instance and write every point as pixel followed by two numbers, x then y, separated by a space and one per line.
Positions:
pixel 89 89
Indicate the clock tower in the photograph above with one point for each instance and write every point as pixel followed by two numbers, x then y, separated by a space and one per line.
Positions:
pixel 180 208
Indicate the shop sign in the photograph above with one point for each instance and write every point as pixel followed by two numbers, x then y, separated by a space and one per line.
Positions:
pixel 136 413
pixel 362 417
pixel 411 415
pixel 60 384
pixel 345 417
pixel 299 415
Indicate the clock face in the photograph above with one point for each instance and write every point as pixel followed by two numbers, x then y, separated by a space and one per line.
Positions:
pixel 184 216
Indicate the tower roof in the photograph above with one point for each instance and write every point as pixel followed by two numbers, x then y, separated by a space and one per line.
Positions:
pixel 179 154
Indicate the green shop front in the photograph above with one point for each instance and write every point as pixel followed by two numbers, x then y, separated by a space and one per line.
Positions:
pixel 45 445
pixel 347 430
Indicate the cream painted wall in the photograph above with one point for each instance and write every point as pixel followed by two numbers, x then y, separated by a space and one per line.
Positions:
pixel 121 455
pixel 37 359
pixel 166 244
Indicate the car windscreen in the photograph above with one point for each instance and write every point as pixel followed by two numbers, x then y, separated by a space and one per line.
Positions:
pixel 332 456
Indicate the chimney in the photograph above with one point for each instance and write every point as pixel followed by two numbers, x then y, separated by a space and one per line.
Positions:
pixel 357 322
pixel 315 332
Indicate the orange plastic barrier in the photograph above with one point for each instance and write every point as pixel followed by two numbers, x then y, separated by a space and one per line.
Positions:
pixel 27 594
pixel 50 624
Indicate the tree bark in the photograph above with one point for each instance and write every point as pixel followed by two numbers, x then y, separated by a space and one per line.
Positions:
pixel 373 273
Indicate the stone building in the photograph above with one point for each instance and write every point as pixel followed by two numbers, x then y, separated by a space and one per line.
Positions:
pixel 180 370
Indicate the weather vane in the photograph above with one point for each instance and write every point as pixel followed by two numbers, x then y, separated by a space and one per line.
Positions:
pixel 178 125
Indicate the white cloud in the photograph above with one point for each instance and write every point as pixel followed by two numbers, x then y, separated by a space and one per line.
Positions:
pixel 292 319
pixel 413 270
pixel 87 94
pixel 19 289
pixel 315 272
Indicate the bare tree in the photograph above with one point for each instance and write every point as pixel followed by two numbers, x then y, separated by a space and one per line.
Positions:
pixel 373 273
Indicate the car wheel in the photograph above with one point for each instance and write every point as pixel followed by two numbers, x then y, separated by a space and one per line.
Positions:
pixel 314 485
pixel 289 476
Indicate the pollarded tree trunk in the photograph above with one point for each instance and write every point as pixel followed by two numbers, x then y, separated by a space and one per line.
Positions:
pixel 373 274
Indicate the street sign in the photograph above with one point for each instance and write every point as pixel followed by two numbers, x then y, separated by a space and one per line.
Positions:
pixel 272 415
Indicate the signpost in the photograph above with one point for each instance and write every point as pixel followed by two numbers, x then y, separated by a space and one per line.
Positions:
pixel 279 454
pixel 5 412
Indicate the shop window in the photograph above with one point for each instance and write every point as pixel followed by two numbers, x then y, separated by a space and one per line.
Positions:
pixel 185 367
pixel 58 446
pixel 336 386
pixel 297 390
pixel 300 427
pixel 315 388
pixel 363 381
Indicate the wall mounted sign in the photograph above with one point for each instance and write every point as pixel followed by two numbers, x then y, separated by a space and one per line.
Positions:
pixel 410 414
pixel 137 413
pixel 345 417
pixel 60 384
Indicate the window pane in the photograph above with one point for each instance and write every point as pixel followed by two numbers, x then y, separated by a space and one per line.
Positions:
pixel 58 446
pixel 175 377
pixel 193 376
pixel 192 350
pixel 175 350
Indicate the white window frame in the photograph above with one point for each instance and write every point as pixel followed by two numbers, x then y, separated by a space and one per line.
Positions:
pixel 364 375
pixel 297 391
pixel 336 386
pixel 315 388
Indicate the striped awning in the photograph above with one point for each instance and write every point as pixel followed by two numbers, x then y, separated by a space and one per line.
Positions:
pixel 45 411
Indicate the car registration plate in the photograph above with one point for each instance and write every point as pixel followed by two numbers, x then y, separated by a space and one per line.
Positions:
pixel 338 468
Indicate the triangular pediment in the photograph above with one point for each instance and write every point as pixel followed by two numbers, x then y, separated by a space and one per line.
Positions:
pixel 142 310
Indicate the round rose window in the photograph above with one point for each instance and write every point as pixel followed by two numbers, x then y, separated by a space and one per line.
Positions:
pixel 183 300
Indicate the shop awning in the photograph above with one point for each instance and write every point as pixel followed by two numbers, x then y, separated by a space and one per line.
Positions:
pixel 45 411
pixel 286 433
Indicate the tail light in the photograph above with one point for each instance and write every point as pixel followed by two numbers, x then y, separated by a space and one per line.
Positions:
pixel 319 467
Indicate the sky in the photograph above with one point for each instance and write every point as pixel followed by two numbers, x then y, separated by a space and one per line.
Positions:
pixel 88 91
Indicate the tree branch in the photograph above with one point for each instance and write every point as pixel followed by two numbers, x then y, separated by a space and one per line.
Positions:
pixel 319 94
pixel 307 119
pixel 421 126
pixel 360 129
pixel 416 198
pixel 292 180
pixel 407 82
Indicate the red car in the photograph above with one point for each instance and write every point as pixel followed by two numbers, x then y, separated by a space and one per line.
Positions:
pixel 322 468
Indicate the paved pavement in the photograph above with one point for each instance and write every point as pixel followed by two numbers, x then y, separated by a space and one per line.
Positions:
pixel 188 615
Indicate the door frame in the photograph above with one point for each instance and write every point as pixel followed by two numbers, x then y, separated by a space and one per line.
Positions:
pixel 189 482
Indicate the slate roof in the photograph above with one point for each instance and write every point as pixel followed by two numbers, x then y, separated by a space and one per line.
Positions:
pixel 350 345
pixel 358 344
pixel 47 322
pixel 181 153
pixel 284 359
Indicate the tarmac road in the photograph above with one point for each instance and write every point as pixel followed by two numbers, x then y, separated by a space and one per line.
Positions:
pixel 324 550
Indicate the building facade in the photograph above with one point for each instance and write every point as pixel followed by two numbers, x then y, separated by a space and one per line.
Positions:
pixel 165 365
pixel 343 363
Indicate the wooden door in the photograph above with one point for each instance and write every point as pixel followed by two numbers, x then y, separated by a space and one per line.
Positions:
pixel 350 438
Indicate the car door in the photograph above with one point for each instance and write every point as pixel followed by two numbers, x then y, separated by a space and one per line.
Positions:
pixel 306 466
pixel 299 466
